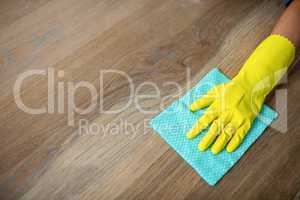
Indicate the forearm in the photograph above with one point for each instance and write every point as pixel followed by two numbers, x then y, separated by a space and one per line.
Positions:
pixel 288 24
pixel 266 65
pixel 272 58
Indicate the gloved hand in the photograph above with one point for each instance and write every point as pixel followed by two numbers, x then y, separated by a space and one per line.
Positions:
pixel 232 107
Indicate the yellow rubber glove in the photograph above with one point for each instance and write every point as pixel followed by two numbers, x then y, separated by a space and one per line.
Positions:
pixel 233 106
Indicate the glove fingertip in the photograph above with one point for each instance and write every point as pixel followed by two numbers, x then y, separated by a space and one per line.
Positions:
pixel 233 145
pixel 202 146
pixel 193 107
pixel 190 135
pixel 215 151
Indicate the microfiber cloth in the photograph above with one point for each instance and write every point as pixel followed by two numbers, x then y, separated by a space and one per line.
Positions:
pixel 173 123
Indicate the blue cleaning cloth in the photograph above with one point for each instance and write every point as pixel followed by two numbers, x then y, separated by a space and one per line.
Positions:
pixel 173 123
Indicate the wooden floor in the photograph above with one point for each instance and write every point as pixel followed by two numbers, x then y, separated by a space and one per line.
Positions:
pixel 48 156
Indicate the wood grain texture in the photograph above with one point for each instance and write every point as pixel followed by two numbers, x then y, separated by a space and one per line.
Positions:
pixel 42 157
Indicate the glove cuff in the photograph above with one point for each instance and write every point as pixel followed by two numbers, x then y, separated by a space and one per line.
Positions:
pixel 266 65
